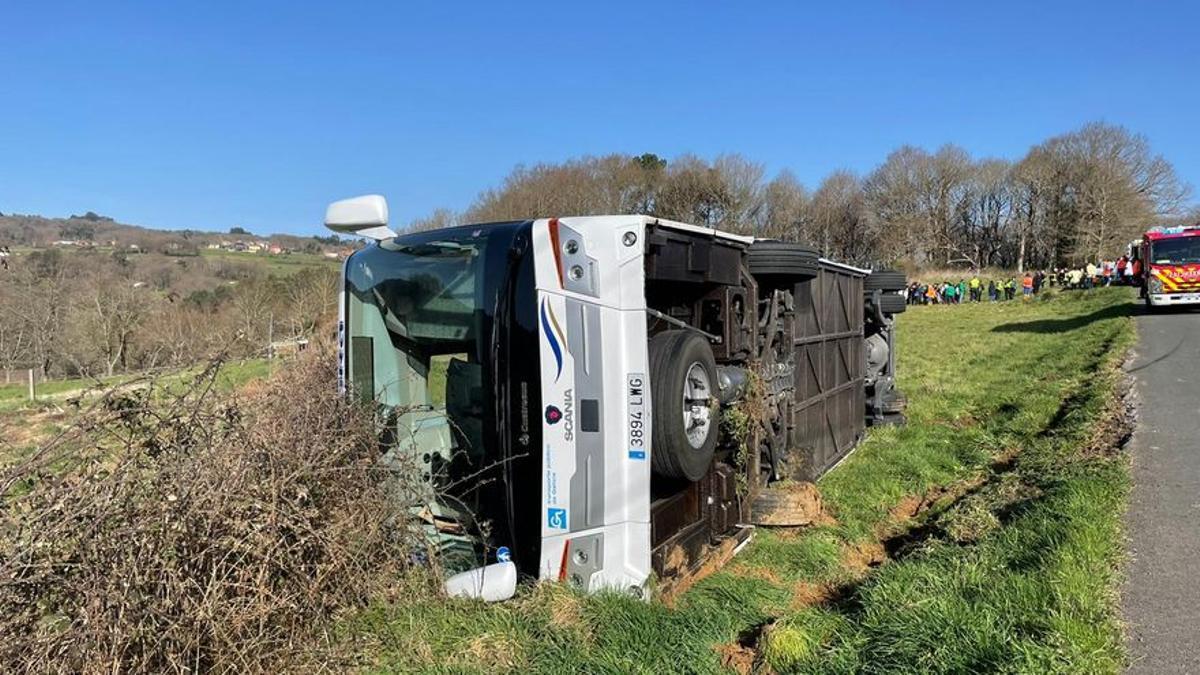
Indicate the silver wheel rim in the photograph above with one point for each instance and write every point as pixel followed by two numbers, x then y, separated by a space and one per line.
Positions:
pixel 697 401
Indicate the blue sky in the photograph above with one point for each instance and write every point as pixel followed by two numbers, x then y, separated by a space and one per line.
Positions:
pixel 214 114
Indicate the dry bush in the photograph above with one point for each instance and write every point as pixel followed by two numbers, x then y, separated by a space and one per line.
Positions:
pixel 190 531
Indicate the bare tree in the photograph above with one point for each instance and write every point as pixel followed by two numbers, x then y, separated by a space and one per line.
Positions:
pixel 311 296
pixel 15 334
pixel 1033 180
pixel 785 212
pixel 893 194
pixel 942 186
pixel 840 219
pixel 985 213
pixel 1105 187
pixel 696 192
pixel 105 316
pixel 438 219
pixel 252 305
pixel 42 287
pixel 743 182
pixel 1080 195
pixel 586 186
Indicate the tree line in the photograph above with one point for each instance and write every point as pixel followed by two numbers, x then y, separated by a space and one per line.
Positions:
pixel 93 314
pixel 1080 196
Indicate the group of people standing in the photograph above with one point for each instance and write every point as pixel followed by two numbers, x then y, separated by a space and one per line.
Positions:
pixel 975 289
pixel 1105 273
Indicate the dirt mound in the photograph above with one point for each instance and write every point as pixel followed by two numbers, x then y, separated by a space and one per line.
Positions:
pixel 863 556
pixel 714 558
pixel 808 594
pixel 789 505
pixel 738 658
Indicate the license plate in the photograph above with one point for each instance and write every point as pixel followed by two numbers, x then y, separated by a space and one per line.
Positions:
pixel 636 404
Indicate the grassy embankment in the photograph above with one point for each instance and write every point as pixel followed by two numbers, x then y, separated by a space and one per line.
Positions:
pixel 24 423
pixel 983 536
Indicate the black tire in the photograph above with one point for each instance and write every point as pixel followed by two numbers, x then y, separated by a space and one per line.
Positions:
pixel 783 259
pixel 673 353
pixel 890 303
pixel 885 280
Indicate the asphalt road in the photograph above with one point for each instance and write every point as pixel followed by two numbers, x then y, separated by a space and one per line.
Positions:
pixel 1161 598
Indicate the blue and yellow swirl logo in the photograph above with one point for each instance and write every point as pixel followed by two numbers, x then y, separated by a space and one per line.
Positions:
pixel 554 335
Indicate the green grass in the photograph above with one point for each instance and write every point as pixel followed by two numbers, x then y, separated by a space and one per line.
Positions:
pixel 236 374
pixel 282 265
pixel 1016 574
pixel 232 375
pixel 16 395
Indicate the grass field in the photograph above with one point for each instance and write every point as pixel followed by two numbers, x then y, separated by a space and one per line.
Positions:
pixel 282 265
pixel 233 374
pixel 17 392
pixel 24 424
pixel 983 536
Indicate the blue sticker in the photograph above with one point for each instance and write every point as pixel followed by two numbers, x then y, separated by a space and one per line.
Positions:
pixel 503 554
pixel 637 454
pixel 556 518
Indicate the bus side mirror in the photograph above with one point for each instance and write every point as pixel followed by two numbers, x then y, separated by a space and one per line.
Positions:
pixel 365 216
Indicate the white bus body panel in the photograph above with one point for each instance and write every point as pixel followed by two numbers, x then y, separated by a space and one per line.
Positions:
pixel 591 299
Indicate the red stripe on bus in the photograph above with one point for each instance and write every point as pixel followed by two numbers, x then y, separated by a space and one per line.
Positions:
pixel 557 251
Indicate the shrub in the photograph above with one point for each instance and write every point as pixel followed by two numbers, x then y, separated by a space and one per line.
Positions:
pixel 188 531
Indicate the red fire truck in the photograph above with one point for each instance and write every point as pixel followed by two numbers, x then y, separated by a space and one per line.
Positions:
pixel 1168 264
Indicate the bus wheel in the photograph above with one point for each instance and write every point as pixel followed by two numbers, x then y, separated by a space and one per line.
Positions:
pixel 686 410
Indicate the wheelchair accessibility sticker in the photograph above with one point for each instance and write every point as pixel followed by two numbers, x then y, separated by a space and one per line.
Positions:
pixel 556 518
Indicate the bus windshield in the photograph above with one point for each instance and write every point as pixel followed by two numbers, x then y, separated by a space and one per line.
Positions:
pixel 419 323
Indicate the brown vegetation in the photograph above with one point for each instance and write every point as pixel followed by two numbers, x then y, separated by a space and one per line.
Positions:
pixel 1078 196
pixel 89 313
pixel 186 532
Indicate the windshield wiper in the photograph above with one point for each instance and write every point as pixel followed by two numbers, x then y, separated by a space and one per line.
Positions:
pixel 432 248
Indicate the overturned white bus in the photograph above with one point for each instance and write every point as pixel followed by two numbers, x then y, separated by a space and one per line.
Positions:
pixel 569 385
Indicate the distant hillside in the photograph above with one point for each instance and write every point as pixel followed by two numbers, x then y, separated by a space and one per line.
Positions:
pixel 95 229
